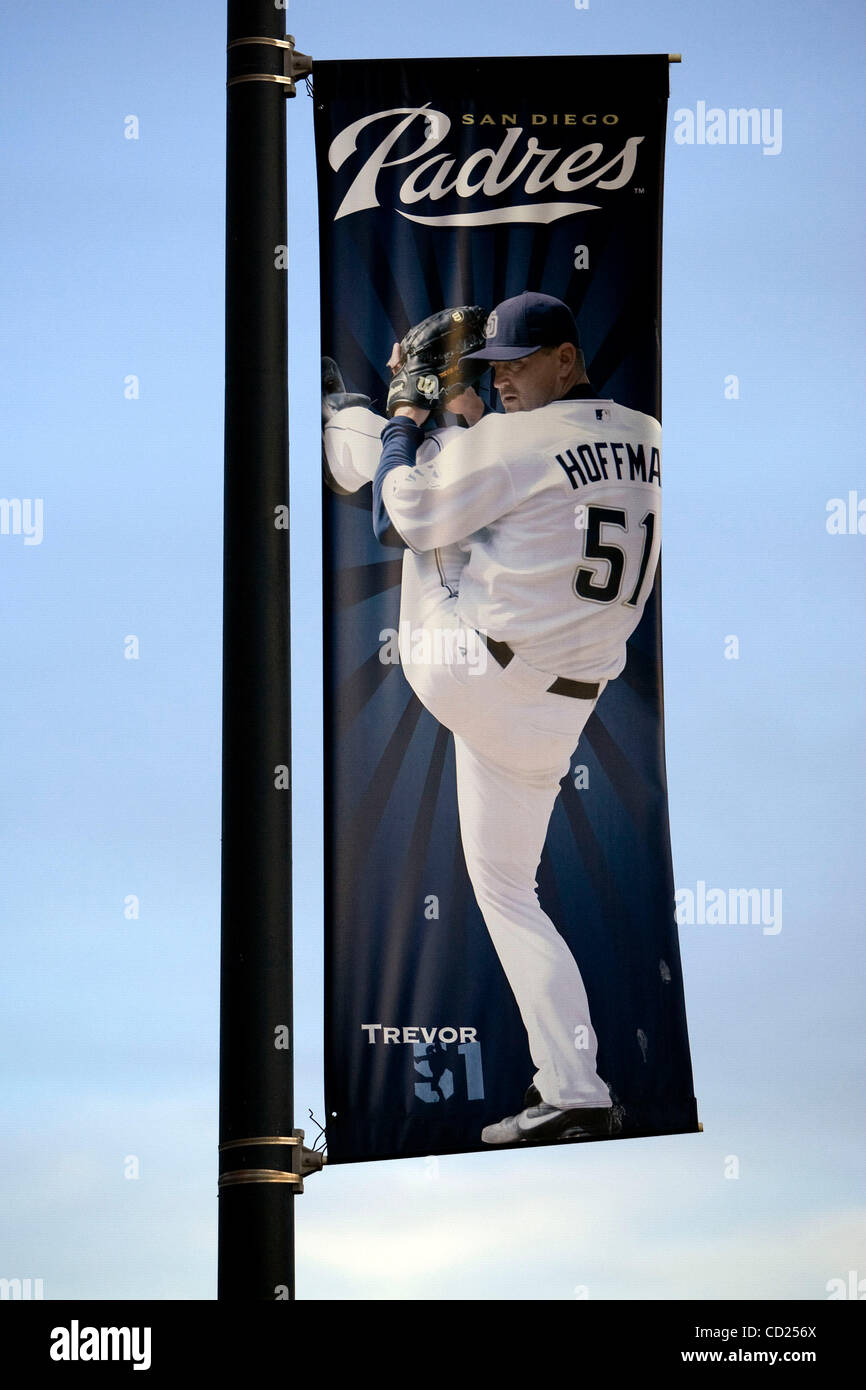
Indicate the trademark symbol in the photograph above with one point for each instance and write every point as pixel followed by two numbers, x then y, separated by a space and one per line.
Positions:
pixel 640 190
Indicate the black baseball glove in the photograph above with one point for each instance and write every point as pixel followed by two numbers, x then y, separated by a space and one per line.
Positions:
pixel 429 372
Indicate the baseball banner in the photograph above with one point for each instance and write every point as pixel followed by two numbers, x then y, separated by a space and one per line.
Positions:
pixel 502 962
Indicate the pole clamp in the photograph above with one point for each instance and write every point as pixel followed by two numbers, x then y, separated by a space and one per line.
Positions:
pixel 289 1168
pixel 248 56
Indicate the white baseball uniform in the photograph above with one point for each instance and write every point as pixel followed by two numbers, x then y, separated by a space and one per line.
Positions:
pixel 353 445
pixel 541 530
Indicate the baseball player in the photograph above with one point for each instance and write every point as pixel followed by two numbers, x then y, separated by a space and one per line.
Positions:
pixel 548 515
pixel 557 504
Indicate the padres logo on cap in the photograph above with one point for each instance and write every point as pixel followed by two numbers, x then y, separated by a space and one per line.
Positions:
pixel 491 325
pixel 457 316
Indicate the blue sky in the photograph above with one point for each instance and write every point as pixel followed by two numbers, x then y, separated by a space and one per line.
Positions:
pixel 113 266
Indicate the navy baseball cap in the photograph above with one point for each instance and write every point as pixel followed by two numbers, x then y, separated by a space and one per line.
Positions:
pixel 522 325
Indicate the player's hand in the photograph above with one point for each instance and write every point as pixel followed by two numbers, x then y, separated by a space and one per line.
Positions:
pixel 427 365
pixel 468 404
pixel 413 412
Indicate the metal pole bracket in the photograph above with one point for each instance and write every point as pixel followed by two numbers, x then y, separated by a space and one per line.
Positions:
pixel 297 1164
pixel 305 1161
pixel 251 56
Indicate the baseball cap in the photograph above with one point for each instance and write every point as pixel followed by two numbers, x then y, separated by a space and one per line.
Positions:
pixel 522 325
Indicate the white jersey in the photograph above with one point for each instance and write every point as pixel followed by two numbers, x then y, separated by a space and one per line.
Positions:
pixel 559 510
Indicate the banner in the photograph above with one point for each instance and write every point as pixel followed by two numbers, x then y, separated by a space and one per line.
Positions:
pixel 502 963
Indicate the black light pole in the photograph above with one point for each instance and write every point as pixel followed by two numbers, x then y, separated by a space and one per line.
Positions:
pixel 260 1153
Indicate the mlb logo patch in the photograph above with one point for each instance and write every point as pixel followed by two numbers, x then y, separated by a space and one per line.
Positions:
pixel 602 414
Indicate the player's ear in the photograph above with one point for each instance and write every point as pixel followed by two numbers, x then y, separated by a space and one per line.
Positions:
pixel 567 357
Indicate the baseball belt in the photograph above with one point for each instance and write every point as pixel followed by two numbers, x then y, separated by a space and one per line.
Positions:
pixel 577 690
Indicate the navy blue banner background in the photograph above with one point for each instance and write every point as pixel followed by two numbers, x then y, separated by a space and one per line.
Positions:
pixel 391 829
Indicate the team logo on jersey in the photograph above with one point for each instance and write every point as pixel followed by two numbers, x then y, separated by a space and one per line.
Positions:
pixel 491 325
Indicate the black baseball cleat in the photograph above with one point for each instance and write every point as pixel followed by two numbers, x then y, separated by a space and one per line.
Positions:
pixel 334 394
pixel 541 1123
pixel 538 1121
pixel 332 378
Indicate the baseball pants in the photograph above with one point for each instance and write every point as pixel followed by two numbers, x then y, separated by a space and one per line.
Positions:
pixel 514 741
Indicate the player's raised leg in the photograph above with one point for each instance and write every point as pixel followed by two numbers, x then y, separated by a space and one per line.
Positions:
pixel 350 433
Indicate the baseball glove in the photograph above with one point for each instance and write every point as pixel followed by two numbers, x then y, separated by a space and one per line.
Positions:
pixel 429 372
